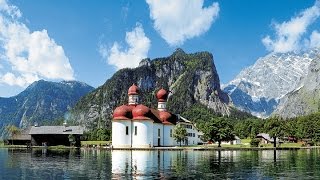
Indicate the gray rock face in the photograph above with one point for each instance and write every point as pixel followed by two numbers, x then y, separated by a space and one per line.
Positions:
pixel 305 99
pixel 191 78
pixel 259 88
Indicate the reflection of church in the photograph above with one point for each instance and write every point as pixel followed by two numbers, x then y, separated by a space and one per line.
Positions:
pixel 140 164
pixel 138 126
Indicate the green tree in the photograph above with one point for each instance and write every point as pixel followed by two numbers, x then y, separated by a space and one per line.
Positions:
pixel 256 127
pixel 199 112
pixel 218 129
pixel 275 128
pixel 241 129
pixel 290 127
pixel 12 130
pixel 249 127
pixel 103 134
pixel 309 127
pixel 179 133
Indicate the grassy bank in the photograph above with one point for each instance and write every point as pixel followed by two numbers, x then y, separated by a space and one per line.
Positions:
pixel 95 143
pixel 245 143
pixel 285 145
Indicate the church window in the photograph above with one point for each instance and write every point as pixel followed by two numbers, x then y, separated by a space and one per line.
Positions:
pixel 127 130
pixel 135 130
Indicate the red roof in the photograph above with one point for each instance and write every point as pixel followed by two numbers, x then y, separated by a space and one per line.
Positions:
pixel 165 117
pixel 133 90
pixel 140 112
pixel 122 112
pixel 162 95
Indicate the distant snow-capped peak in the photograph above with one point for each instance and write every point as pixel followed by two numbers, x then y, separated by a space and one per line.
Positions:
pixel 258 88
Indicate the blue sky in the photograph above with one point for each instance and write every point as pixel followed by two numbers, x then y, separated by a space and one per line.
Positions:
pixel 88 41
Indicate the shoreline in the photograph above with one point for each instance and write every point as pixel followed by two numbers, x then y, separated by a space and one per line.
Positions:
pixel 175 148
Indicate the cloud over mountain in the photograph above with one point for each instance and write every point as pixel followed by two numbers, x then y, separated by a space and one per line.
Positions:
pixel 289 35
pixel 138 47
pixel 28 56
pixel 179 20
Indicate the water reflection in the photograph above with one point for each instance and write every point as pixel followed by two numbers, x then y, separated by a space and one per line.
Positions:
pixel 104 164
pixel 56 164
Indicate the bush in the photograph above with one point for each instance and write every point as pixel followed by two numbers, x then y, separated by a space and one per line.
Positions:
pixel 100 134
pixel 255 142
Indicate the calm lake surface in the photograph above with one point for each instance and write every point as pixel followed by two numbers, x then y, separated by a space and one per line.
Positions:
pixel 104 164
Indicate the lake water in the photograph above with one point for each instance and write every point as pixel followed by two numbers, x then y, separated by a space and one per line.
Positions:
pixel 104 164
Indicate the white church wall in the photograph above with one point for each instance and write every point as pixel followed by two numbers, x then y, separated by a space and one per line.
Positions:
pixel 156 128
pixel 142 138
pixel 120 139
pixel 168 135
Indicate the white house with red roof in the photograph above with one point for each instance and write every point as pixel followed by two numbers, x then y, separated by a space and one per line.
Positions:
pixel 137 126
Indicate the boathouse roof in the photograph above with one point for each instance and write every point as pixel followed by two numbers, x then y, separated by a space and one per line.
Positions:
pixel 56 130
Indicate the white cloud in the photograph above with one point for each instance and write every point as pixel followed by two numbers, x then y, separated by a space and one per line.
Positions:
pixel 22 81
pixel 138 47
pixel 315 39
pixel 10 10
pixel 31 55
pixel 179 20
pixel 289 34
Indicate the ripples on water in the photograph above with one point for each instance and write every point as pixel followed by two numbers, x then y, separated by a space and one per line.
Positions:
pixel 104 164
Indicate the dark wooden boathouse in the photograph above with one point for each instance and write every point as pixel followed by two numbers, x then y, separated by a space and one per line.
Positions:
pixel 56 135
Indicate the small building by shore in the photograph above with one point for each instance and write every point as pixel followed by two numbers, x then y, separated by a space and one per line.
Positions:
pixel 56 135
pixel 48 136
pixel 266 139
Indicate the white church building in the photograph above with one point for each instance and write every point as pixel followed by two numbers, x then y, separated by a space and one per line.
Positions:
pixel 137 126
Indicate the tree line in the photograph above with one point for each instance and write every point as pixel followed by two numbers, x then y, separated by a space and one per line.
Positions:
pixel 219 128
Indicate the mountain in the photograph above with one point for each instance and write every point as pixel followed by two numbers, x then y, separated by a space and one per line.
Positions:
pixel 259 88
pixel 191 78
pixel 305 99
pixel 40 101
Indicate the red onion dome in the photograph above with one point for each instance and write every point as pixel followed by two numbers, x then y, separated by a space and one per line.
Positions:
pixel 140 112
pixel 165 117
pixel 121 112
pixel 133 90
pixel 162 95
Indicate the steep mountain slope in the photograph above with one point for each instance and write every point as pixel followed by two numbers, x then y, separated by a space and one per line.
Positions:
pixel 258 88
pixel 192 78
pixel 305 99
pixel 42 100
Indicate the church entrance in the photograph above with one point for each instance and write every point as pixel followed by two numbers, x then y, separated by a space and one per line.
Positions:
pixel 158 141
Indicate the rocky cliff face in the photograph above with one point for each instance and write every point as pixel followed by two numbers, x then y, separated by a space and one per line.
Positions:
pixel 305 99
pixel 191 78
pixel 41 101
pixel 259 88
